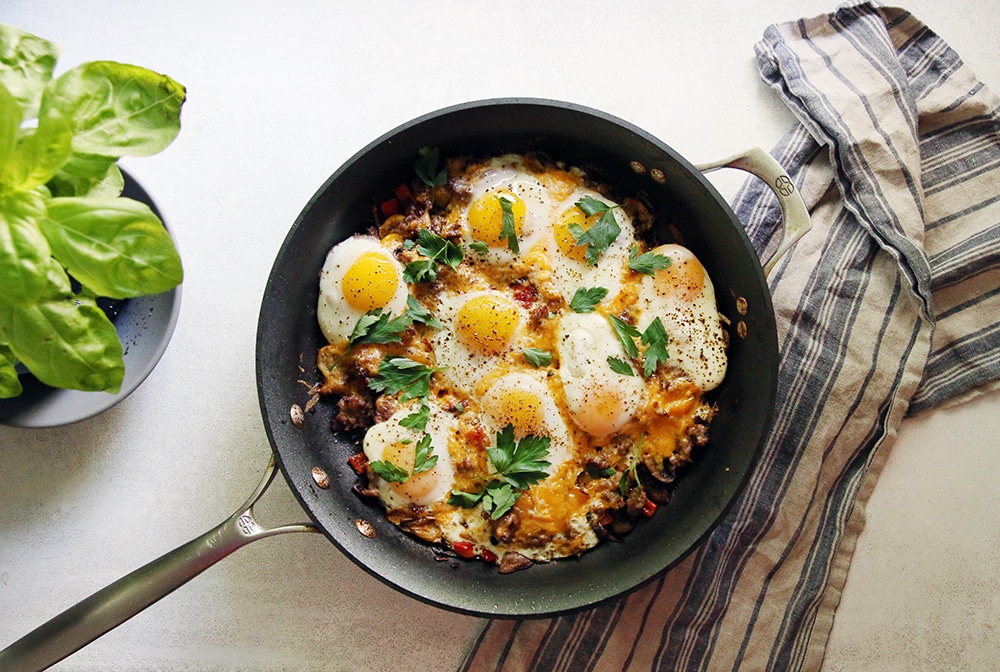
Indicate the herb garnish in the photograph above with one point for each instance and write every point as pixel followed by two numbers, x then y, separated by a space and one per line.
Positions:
pixel 403 375
pixel 519 464
pixel 438 250
pixel 418 419
pixel 479 246
pixel 605 230
pixel 508 230
pixel 426 167
pixel 626 334
pixel 647 262
pixel 423 460
pixel 419 314
pixel 620 366
pixel 377 326
pixel 537 358
pixel 655 339
pixel 585 300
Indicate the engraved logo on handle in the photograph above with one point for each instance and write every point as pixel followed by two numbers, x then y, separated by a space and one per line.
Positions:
pixel 247 524
pixel 783 185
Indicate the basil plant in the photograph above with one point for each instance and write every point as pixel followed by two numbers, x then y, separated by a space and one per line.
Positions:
pixel 67 236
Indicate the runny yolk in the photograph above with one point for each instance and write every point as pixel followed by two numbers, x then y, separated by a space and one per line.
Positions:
pixel 370 282
pixel 683 278
pixel 486 217
pixel 486 324
pixel 519 408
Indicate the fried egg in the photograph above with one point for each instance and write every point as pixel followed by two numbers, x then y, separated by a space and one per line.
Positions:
pixel 683 297
pixel 530 202
pixel 479 329
pixel 389 441
pixel 359 275
pixel 565 264
pixel 600 401
pixel 523 399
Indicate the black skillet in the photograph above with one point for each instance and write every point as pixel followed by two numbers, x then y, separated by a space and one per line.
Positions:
pixel 288 338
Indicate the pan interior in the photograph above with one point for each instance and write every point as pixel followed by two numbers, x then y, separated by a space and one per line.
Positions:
pixel 631 160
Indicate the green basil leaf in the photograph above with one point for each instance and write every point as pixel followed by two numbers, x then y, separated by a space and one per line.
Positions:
pixel 65 342
pixel 116 247
pixel 39 155
pixel 10 382
pixel 88 175
pixel 117 109
pixel 26 65
pixel 27 271
pixel 10 125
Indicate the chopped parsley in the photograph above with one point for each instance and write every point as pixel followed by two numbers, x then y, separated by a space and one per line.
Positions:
pixel 647 262
pixel 508 229
pixel 426 167
pixel 518 464
pixel 438 251
pixel 655 339
pixel 537 358
pixel 377 326
pixel 626 334
pixel 619 365
pixel 418 419
pixel 479 247
pixel 419 314
pixel 585 300
pixel 404 376
pixel 605 230
pixel 389 471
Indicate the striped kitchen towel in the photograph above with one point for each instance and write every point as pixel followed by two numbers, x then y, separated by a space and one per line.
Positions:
pixel 889 307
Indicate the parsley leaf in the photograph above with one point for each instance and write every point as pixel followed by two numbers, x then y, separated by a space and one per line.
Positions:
pixel 507 227
pixel 418 419
pixel 479 246
pixel 376 326
pixel 585 300
pixel 537 358
pixel 620 366
pixel 421 270
pixel 403 375
pixel 389 471
pixel 596 472
pixel 416 312
pixel 426 167
pixel 605 230
pixel 424 457
pixel 648 262
pixel 499 498
pixel 626 334
pixel 521 463
pixel 437 250
pixel 655 339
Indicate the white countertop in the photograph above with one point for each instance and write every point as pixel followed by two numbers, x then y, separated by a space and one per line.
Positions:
pixel 279 95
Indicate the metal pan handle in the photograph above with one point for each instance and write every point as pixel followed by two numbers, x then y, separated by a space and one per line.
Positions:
pixel 795 216
pixel 110 607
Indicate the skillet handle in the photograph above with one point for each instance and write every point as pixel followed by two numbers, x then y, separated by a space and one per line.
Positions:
pixel 795 216
pixel 110 607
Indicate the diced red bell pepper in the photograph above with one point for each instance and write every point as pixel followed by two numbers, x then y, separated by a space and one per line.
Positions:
pixel 649 508
pixel 465 549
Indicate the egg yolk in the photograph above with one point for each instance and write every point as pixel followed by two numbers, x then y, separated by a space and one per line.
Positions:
pixel 370 282
pixel 486 217
pixel 683 278
pixel 417 486
pixel 565 240
pixel 519 408
pixel 486 323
